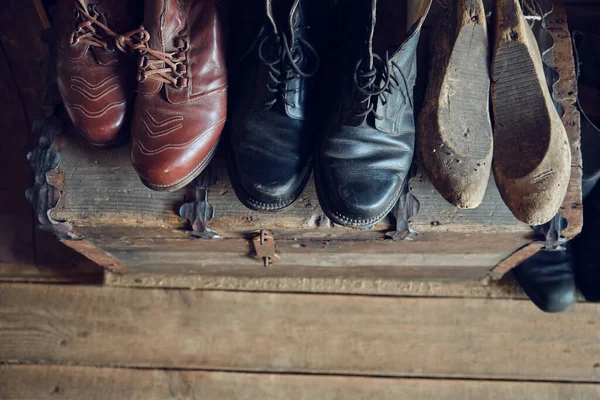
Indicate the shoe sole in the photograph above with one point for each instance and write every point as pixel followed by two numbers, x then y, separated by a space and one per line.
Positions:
pixel 187 179
pixel 454 127
pixel 531 150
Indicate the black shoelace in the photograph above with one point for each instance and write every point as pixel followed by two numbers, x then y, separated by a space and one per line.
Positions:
pixel 283 63
pixel 379 81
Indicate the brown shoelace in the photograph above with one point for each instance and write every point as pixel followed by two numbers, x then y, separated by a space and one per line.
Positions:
pixel 166 67
pixel 91 27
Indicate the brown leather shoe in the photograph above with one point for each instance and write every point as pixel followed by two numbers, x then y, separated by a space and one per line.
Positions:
pixel 94 79
pixel 181 103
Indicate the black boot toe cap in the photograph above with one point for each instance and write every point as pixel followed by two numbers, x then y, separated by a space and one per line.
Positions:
pixel 548 279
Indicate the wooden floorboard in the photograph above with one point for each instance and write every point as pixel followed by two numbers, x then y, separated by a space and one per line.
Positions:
pixel 25 382
pixel 355 335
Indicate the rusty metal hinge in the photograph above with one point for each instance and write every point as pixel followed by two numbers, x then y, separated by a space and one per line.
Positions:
pixel 264 246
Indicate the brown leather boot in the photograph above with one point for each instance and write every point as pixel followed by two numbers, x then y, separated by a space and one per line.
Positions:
pixel 94 79
pixel 181 101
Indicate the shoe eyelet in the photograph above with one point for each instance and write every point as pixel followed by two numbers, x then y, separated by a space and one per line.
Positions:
pixel 181 44
pixel 179 56
pixel 181 82
pixel 142 61
pixel 180 69
pixel 141 76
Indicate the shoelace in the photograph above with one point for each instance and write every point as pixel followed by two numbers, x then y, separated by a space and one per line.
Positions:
pixel 284 67
pixel 166 67
pixel 379 81
pixel 90 27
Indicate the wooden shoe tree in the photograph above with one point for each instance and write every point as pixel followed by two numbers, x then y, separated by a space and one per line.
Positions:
pixel 454 132
pixel 531 150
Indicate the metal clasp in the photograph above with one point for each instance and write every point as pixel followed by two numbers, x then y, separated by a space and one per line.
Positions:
pixel 264 246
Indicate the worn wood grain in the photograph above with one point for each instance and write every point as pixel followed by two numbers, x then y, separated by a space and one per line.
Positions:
pixel 359 335
pixel 103 189
pixel 565 92
pixel 27 382
pixel 506 288
pixel 437 215
pixel 71 271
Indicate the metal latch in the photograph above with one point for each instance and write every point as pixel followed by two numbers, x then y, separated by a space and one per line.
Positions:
pixel 264 245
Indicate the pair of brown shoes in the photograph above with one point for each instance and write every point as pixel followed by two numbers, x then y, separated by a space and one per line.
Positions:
pixel 181 98
pixel 528 150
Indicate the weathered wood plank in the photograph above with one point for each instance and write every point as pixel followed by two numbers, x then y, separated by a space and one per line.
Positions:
pixel 103 189
pixel 26 382
pixel 437 215
pixel 507 288
pixel 355 335
pixel 565 93
pixel 72 271
pixel 460 256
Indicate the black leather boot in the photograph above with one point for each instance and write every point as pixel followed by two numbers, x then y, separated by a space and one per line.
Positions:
pixel 587 59
pixel 367 147
pixel 548 278
pixel 587 244
pixel 271 134
pixel 587 248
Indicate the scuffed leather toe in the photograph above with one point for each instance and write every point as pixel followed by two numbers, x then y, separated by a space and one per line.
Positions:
pixel 360 174
pixel 270 161
pixel 354 199
pixel 548 278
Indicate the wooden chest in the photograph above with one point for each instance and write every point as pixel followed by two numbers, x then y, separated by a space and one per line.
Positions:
pixel 94 201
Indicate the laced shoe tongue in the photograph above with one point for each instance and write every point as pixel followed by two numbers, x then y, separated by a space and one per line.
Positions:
pixel 96 9
pixel 162 20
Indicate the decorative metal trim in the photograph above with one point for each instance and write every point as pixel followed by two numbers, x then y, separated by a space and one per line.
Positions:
pixel 199 211
pixel 406 208
pixel 45 160
pixel 44 196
